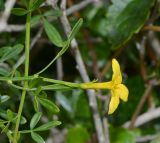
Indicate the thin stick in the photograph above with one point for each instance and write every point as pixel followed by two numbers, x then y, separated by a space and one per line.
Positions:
pixel 140 105
pixel 83 73
pixel 145 118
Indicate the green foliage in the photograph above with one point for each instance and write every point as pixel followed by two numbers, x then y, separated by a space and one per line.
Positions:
pixel 35 4
pixel 48 126
pixel 35 119
pixel 77 134
pixel 19 11
pixel 53 34
pixel 10 52
pixel 102 28
pixel 124 18
pixel 49 105
pixel 37 138
pixel 121 135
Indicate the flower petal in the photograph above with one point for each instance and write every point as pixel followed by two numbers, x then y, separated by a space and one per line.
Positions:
pixel 113 103
pixel 117 77
pixel 122 91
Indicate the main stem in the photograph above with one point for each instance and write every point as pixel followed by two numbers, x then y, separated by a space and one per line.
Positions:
pixel 27 47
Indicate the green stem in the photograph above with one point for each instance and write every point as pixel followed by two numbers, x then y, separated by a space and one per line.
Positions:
pixel 27 47
pixel 7 132
pixel 69 84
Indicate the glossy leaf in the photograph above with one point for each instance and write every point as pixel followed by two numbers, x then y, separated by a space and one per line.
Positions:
pixel 35 119
pixel 49 105
pixel 19 11
pixel 37 138
pixel 47 126
pixel 53 34
pixel 124 18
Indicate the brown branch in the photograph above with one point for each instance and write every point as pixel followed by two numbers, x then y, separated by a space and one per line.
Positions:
pixel 151 27
pixel 145 118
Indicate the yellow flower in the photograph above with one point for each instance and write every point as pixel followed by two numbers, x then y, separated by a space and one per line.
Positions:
pixel 118 90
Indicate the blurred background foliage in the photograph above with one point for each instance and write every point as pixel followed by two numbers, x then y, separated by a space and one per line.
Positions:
pixel 127 30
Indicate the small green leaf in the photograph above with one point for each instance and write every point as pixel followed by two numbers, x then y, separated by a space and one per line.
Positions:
pixel 35 103
pixel 3 114
pixel 4 98
pixel 53 34
pixel 47 126
pixel 19 11
pixel 35 119
pixel 11 52
pixel 4 71
pixel 36 4
pixel 75 29
pixel 35 20
pixel 10 115
pixel 49 105
pixel 37 138
pixel 53 12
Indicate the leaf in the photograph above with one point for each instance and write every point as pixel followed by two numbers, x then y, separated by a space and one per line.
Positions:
pixel 4 71
pixel 47 126
pixel 11 52
pixel 77 135
pixel 35 119
pixel 35 20
pixel 53 12
pixel 75 29
pixel 19 11
pixel 35 103
pixel 53 34
pixel 3 114
pixel 37 138
pixel 49 105
pixel 36 4
pixel 124 18
pixel 4 98
pixel 10 115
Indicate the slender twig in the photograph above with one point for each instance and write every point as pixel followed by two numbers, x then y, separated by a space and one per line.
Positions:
pixel 144 118
pixel 146 138
pixel 83 73
pixel 59 68
pixel 78 7
pixel 5 15
pixel 151 27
